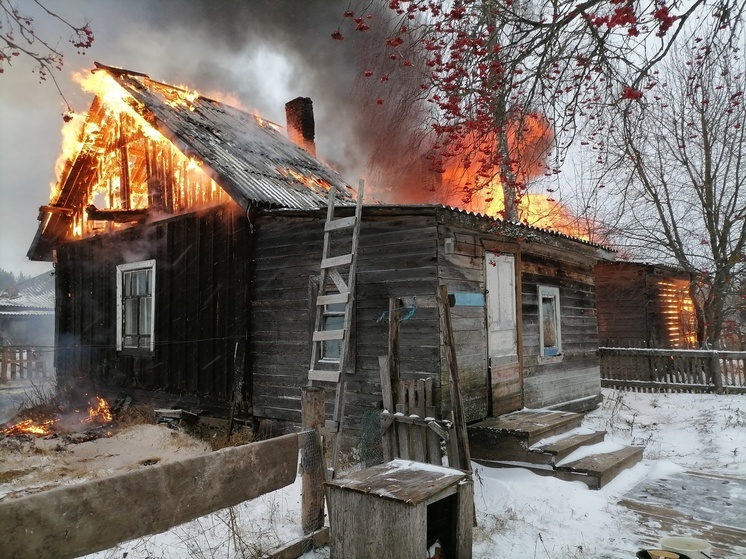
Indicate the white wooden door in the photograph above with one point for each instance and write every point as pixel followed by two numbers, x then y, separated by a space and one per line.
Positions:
pixel 502 333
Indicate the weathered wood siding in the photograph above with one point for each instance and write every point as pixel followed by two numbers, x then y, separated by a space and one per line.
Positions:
pixel 644 306
pixel 202 276
pixel 575 374
pixel 462 271
pixel 396 258
pixel 622 305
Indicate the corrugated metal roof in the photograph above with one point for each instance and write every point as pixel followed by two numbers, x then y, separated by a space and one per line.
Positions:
pixel 530 227
pixel 34 297
pixel 404 209
pixel 250 158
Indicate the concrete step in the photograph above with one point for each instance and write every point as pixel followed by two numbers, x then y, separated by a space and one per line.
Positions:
pixel 603 467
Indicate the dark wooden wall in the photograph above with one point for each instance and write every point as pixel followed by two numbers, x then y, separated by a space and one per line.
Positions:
pixel 202 276
pixel 632 306
pixel 223 280
pixel 396 258
pixel 622 305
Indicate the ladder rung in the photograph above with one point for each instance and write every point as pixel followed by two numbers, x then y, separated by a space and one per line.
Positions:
pixel 335 261
pixel 323 376
pixel 332 299
pixel 342 223
pixel 326 335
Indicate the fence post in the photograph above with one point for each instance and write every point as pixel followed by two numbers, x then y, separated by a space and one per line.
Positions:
pixel 312 460
pixel 4 366
pixel 717 377
pixel 14 363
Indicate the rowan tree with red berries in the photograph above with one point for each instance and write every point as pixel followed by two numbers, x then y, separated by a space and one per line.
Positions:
pixel 19 38
pixel 484 74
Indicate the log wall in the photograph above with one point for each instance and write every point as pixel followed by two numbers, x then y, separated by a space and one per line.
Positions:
pixel 396 258
pixel 202 276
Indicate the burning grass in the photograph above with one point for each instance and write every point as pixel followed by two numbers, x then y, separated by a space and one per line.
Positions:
pixel 49 419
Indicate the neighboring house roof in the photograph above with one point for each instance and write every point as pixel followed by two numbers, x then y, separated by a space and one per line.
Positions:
pixel 34 297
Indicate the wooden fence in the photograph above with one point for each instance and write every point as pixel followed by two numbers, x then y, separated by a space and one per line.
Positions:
pixel 75 520
pixel 22 363
pixel 673 370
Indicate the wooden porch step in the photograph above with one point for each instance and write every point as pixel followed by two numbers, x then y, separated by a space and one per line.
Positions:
pixel 534 425
pixel 602 468
pixel 508 437
pixel 560 449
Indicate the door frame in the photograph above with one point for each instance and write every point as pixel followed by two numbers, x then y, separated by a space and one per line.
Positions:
pixel 514 251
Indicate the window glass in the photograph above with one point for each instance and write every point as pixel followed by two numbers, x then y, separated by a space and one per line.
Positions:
pixel 549 315
pixel 334 319
pixel 550 322
pixel 135 286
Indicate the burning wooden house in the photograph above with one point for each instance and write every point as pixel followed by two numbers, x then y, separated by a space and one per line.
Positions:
pixel 644 305
pixel 187 238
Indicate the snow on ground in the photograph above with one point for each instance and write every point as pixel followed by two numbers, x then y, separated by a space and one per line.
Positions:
pixel 519 514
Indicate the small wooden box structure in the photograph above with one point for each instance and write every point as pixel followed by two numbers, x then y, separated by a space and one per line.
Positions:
pixel 396 510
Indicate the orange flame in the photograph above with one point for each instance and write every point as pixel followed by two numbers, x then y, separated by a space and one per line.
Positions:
pixel 30 427
pixel 678 313
pixel 474 184
pixel 100 413
pixel 125 151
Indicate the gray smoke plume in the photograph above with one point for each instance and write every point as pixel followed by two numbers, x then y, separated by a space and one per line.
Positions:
pixel 356 134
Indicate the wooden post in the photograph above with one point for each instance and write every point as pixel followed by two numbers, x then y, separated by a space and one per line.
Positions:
pixel 13 363
pixel 394 306
pixel 457 406
pixel 388 428
pixel 312 460
pixel 4 366
pixel 717 377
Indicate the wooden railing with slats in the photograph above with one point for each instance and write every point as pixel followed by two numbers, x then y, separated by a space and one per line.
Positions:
pixel 673 370
pixel 22 363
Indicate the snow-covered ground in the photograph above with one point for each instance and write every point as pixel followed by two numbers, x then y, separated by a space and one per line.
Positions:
pixel 519 514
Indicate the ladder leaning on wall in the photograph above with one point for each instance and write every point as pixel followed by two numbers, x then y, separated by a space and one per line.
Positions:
pixel 334 310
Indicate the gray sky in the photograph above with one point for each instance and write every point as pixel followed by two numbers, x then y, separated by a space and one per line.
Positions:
pixel 264 52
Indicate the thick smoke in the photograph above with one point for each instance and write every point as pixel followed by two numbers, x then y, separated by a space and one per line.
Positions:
pixel 355 134
pixel 300 32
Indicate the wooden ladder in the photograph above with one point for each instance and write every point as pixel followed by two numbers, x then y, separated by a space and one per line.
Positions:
pixel 334 303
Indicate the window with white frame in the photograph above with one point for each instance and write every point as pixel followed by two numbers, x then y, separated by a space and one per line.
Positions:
pixel 550 332
pixel 136 305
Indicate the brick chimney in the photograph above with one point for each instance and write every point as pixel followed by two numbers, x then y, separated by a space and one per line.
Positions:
pixel 300 123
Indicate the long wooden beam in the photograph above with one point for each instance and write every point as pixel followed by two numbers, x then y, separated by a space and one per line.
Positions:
pixel 71 521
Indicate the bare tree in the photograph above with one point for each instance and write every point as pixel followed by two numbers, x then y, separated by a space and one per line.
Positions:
pixel 681 161
pixel 493 71
pixel 19 38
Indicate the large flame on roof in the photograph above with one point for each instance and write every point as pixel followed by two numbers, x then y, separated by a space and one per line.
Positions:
pixel 133 166
pixel 474 184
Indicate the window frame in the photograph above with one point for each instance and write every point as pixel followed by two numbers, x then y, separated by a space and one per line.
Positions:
pixel 331 313
pixel 122 269
pixel 553 293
